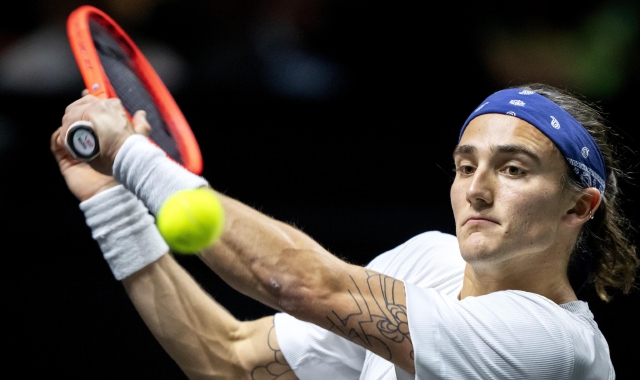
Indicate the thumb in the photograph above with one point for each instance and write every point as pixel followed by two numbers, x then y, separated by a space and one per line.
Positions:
pixel 140 123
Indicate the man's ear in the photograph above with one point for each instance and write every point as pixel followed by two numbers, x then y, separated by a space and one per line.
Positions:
pixel 584 207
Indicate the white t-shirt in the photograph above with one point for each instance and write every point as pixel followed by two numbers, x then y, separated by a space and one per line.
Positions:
pixel 503 335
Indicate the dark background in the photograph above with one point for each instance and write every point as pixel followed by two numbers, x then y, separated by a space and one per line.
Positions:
pixel 338 116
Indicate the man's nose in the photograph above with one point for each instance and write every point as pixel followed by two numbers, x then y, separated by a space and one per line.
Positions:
pixel 481 188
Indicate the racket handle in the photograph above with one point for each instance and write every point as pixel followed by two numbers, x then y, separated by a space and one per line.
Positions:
pixel 81 141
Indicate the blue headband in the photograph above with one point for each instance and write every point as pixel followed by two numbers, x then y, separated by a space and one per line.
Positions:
pixel 573 141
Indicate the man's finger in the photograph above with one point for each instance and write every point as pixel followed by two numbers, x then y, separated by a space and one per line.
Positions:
pixel 140 123
pixel 83 100
pixel 74 112
pixel 53 143
pixel 59 150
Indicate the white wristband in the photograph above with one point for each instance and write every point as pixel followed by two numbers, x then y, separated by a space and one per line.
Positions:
pixel 124 230
pixel 145 170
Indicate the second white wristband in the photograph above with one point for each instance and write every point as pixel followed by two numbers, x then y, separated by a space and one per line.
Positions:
pixel 145 170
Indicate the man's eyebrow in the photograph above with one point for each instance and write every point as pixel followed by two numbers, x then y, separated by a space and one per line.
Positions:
pixel 463 149
pixel 518 149
pixel 509 148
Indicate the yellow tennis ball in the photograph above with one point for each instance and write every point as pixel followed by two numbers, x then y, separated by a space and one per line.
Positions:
pixel 190 220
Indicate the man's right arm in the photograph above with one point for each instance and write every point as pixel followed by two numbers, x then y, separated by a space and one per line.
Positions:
pixel 204 339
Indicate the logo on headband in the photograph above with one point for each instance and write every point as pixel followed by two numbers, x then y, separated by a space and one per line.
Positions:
pixel 517 102
pixel 511 113
pixel 526 92
pixel 555 123
pixel 585 152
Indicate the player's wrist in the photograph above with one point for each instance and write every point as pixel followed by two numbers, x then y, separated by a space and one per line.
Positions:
pixel 124 230
pixel 115 149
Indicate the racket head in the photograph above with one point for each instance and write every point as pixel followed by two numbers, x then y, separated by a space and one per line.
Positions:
pixel 112 66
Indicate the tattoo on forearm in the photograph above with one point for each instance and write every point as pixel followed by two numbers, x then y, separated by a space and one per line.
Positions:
pixel 388 316
pixel 276 369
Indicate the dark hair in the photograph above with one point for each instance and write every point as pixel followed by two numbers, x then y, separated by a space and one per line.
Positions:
pixel 604 242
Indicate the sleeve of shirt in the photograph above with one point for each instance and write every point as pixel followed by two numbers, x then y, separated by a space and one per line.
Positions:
pixel 592 358
pixel 315 353
pixel 502 335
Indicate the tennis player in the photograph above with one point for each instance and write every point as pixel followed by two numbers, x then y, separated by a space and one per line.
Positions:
pixel 535 205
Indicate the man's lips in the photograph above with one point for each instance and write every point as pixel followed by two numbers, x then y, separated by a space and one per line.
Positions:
pixel 479 220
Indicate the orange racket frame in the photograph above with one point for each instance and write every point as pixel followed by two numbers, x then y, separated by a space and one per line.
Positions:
pixel 97 82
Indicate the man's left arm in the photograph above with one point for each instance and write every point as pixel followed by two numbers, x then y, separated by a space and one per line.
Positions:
pixel 284 268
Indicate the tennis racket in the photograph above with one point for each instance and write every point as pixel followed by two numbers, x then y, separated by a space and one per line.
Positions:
pixel 112 66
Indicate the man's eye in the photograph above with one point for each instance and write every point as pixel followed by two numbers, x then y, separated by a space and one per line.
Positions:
pixel 514 170
pixel 465 169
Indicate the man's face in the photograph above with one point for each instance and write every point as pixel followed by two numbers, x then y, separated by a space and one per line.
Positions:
pixel 507 196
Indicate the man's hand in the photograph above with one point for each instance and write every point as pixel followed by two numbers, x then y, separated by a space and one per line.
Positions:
pixel 110 123
pixel 83 181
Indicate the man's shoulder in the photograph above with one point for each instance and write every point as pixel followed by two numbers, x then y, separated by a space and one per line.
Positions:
pixel 522 302
pixel 504 333
pixel 571 325
pixel 429 241
pixel 427 260
pixel 523 310
pixel 433 237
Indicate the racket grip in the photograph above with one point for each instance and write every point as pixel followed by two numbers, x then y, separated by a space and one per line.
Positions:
pixel 81 141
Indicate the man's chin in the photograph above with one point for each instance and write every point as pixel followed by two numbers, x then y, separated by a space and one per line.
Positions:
pixel 478 249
